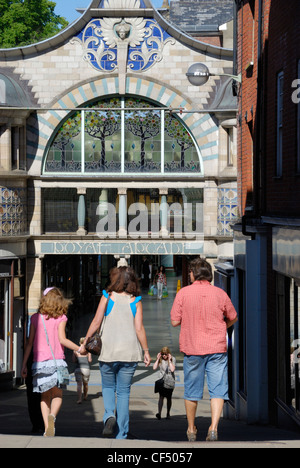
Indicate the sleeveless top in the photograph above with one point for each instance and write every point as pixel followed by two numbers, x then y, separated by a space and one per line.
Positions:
pixel 83 362
pixel 119 338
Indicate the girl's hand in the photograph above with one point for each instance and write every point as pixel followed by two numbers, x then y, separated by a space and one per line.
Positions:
pixel 158 356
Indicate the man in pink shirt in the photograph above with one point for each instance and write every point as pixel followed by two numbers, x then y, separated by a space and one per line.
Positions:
pixel 204 313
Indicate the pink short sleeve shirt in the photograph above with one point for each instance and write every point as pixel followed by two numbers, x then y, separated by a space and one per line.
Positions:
pixel 201 308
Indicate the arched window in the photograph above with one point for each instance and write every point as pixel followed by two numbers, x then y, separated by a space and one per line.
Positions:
pixel 122 135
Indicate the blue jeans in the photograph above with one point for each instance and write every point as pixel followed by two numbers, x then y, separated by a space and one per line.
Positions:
pixel 116 382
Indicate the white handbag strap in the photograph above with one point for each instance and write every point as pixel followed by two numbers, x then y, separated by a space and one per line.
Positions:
pixel 48 339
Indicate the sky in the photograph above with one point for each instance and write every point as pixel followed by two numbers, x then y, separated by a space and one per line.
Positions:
pixel 67 8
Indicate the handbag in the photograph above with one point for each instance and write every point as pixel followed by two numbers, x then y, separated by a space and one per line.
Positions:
pixel 94 343
pixel 159 385
pixel 63 376
pixel 169 381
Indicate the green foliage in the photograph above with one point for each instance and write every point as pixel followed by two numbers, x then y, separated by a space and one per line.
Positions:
pixel 24 22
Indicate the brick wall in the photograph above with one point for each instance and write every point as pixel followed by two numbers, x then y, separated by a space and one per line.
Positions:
pixel 282 193
pixel 280 52
pixel 247 59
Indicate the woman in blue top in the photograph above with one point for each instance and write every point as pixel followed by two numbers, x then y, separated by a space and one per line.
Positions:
pixel 123 343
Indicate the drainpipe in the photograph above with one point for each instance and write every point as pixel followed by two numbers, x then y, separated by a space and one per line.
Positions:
pixel 259 152
pixel 235 41
pixel 259 161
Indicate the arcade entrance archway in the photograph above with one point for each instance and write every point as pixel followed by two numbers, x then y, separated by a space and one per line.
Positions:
pixel 83 277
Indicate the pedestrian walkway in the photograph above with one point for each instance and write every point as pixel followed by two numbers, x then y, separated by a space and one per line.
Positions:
pixel 81 425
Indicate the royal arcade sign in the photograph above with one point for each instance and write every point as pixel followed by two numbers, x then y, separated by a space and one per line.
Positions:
pixel 88 247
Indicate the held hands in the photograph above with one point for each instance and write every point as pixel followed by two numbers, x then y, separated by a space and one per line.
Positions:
pixel 81 350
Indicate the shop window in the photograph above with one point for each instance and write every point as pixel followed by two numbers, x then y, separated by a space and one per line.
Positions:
pixel 122 135
pixel 96 199
pixel 184 215
pixel 288 342
pixel 148 201
pixel 60 210
pixel 4 324
pixel 295 345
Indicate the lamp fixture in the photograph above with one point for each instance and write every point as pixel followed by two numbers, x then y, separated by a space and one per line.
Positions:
pixel 198 74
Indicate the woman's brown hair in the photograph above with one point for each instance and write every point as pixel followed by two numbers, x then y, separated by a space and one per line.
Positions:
pixel 54 304
pixel 201 269
pixel 124 279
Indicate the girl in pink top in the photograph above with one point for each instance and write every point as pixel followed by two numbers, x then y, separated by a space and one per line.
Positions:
pixel 53 309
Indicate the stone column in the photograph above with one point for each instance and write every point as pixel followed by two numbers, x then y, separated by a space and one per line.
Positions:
pixel 210 208
pixel 81 212
pixel 5 148
pixel 103 202
pixel 122 192
pixel 34 283
pixel 35 210
pixel 163 213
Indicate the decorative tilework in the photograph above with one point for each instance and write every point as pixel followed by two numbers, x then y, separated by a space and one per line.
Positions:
pixel 13 213
pixel 100 44
pixel 227 210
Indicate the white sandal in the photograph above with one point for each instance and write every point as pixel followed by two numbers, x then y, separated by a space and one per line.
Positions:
pixel 50 432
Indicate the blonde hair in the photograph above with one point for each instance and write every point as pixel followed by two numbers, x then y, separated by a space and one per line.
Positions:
pixel 54 304
pixel 164 350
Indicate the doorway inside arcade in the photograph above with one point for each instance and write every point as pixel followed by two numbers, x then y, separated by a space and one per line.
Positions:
pixel 83 278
